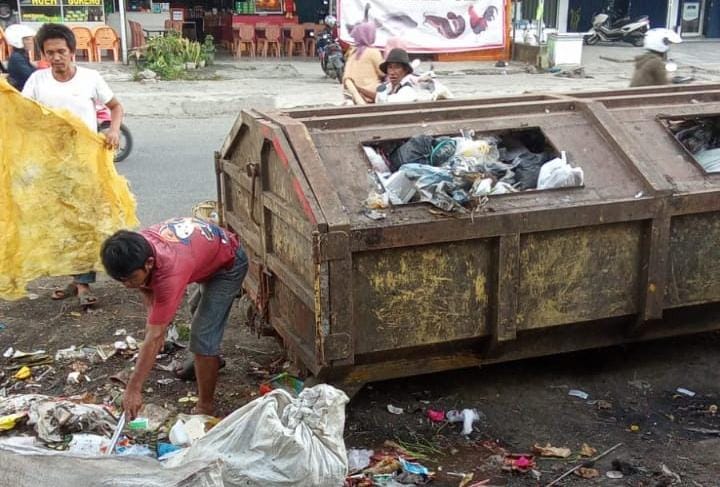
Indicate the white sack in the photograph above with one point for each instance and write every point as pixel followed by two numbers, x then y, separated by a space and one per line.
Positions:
pixel 559 174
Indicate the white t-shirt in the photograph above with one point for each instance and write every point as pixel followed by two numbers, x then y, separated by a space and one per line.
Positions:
pixel 77 95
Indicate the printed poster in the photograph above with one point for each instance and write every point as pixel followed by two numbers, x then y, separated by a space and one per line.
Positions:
pixel 428 25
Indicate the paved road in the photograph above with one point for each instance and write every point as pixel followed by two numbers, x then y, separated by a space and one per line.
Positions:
pixel 171 167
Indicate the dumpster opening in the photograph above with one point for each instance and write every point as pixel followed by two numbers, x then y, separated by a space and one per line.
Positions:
pixel 459 172
pixel 700 137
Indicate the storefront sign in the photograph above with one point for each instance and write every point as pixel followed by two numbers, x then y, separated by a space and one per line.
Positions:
pixel 42 3
pixel 428 26
pixel 83 3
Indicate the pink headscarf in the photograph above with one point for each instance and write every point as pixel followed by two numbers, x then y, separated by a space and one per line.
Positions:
pixel 364 36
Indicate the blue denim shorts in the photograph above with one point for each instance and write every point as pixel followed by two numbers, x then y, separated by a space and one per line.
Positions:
pixel 216 298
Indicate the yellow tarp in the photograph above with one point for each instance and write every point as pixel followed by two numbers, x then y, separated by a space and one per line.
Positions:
pixel 60 195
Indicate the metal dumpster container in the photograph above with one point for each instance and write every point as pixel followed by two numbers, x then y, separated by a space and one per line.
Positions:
pixel 631 255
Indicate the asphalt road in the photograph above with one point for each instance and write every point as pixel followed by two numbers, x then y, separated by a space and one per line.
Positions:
pixel 171 166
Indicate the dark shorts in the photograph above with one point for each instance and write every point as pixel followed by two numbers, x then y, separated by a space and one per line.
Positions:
pixel 216 297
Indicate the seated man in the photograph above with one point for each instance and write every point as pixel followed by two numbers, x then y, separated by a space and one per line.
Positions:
pixel 161 261
pixel 400 84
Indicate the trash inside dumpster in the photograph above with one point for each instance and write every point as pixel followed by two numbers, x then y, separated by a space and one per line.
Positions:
pixel 455 173
pixel 388 241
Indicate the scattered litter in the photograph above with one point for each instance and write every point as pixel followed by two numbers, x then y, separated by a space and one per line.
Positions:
pixel 669 473
pixel 88 445
pixel 375 215
pixel 587 473
pixel 413 467
pixel 603 405
pixel 8 422
pixel 436 416
pixel 2 326
pixel 20 355
pixel 704 431
pixel 76 377
pixel 76 314
pixel 70 353
pixel 386 465
pixel 139 424
pixel 515 462
pixel 165 450
pixel 33 296
pixel 120 345
pixel 394 410
pixel 9 352
pixel 288 382
pixel 614 474
pixel 584 464
pixel 166 381
pixel 55 418
pixel 587 451
pixel 23 373
pixel 713 409
pixel 578 393
pixel 131 343
pixel 188 398
pixel 685 392
pixel 105 351
pixel 156 415
pixel 557 173
pixel 634 428
pixel 639 195
pixel 641 385
pixel 551 451
pixel 358 459
pixel 120 332
pixel 466 416
pixel 134 451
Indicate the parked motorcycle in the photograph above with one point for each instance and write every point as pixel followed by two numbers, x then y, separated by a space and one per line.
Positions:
pixel 126 141
pixel 622 30
pixel 329 51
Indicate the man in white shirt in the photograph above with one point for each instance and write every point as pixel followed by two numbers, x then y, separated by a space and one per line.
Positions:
pixel 75 89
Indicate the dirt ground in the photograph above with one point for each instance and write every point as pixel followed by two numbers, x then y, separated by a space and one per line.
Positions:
pixel 632 396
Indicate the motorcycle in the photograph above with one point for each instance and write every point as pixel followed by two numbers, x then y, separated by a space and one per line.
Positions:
pixel 126 141
pixel 331 55
pixel 622 30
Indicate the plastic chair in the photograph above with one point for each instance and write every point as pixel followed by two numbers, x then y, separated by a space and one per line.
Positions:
pixel 271 40
pixel 310 41
pixel 245 39
pixel 296 40
pixel 137 35
pixel 84 41
pixel 106 40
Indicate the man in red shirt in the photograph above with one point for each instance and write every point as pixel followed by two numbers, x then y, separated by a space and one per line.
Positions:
pixel 161 261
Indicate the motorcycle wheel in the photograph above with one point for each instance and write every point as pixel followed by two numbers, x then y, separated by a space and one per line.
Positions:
pixel 339 67
pixel 638 41
pixel 591 39
pixel 126 141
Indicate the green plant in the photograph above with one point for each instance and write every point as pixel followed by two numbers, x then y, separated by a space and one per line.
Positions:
pixel 574 19
pixel 165 55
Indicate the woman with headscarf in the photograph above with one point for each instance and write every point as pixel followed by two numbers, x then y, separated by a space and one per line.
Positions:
pixel 362 69
pixel 20 66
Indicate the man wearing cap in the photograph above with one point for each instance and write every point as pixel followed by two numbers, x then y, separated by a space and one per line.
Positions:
pixel 399 86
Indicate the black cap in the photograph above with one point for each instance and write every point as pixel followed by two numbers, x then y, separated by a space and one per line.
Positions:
pixel 399 56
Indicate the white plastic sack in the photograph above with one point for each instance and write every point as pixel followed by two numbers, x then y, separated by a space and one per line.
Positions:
pixel 557 173
pixel 278 440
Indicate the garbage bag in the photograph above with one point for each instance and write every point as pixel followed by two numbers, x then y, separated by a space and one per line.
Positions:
pixel 60 195
pixel 559 174
pixel 417 150
pixel 527 169
pixel 279 441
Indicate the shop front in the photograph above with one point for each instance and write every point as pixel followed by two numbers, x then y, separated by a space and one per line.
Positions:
pixel 77 12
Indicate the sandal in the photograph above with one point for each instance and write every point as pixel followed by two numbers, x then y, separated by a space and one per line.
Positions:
pixel 187 370
pixel 87 299
pixel 67 292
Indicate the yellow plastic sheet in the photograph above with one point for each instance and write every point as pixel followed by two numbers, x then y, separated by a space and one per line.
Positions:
pixel 60 195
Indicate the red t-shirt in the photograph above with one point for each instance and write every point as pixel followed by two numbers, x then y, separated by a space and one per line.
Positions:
pixel 186 250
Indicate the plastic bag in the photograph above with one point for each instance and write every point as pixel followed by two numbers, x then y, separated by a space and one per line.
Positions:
pixel 559 174
pixel 400 188
pixel 417 150
pixel 278 440
pixel 709 159
pixel 60 194
pixel 527 170
pixel 376 160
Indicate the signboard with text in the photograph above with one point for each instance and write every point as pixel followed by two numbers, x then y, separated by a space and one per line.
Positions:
pixel 428 25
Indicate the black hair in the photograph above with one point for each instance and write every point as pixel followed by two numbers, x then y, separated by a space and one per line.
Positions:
pixel 55 31
pixel 123 253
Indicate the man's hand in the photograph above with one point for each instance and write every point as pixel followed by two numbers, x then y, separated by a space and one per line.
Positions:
pixel 112 139
pixel 132 402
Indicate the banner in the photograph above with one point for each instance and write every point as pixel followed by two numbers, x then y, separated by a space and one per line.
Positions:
pixel 428 25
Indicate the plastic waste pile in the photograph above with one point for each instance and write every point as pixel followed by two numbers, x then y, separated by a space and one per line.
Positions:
pixel 456 173
pixel 702 139
pixel 393 466
pixel 279 439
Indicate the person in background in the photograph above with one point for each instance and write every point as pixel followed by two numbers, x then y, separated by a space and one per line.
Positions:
pixel 650 68
pixel 75 89
pixel 362 68
pixel 160 262
pixel 20 66
pixel 400 84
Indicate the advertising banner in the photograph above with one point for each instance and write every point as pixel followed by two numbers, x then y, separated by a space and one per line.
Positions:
pixel 428 25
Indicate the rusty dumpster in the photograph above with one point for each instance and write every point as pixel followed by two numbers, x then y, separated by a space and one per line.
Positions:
pixel 631 255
